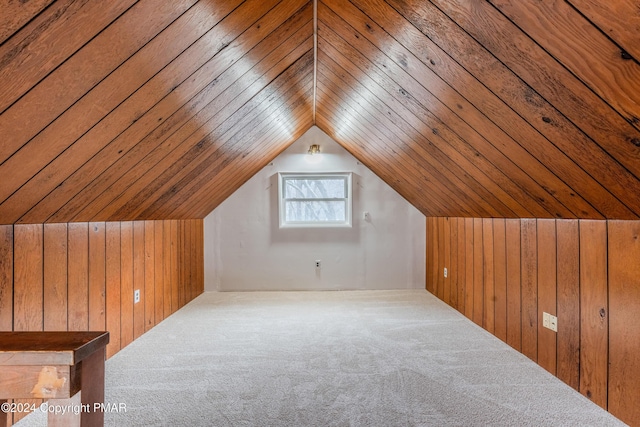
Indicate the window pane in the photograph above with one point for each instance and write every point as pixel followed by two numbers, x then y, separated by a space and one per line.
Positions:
pixel 309 188
pixel 323 211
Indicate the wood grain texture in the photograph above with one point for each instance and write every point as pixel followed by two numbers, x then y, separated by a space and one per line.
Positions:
pixel 453 264
pixel 549 78
pixel 6 277
pixel 487 139
pixel 582 51
pixel 162 166
pixel 97 276
pixel 582 271
pixel 568 302
pixel 78 279
pixel 500 278
pixel 478 272
pixel 529 289
pixel 158 271
pixel 16 14
pixel 28 277
pixel 76 275
pixel 476 184
pixel 55 277
pixel 207 163
pixel 567 139
pixel 28 57
pixel 547 285
pixel 200 261
pixel 174 237
pixel 75 138
pixel 442 250
pixel 431 251
pixel 469 270
pixel 28 285
pixel 446 282
pixel 129 76
pixel 489 298
pixel 138 278
pixel 146 110
pixel 619 20
pixel 113 286
pixel 149 275
pixel 70 102
pixel 182 276
pixel 167 268
pixel 402 175
pixel 461 267
pixel 220 184
pixel 624 323
pixel 514 289
pixel 594 311
pixel 126 283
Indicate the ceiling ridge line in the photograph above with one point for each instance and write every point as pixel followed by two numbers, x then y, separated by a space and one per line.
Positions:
pixel 315 56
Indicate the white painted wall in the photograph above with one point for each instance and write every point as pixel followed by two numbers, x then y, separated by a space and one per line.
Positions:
pixel 245 250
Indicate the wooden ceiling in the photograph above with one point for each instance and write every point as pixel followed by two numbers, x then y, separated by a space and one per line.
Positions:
pixel 156 109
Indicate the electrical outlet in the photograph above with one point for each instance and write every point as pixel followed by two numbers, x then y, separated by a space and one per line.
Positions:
pixel 550 321
pixel 445 272
pixel 318 263
pixel 545 320
pixel 136 296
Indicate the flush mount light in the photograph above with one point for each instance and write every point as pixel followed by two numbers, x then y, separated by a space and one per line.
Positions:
pixel 314 149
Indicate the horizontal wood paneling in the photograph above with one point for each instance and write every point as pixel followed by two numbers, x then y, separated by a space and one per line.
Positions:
pixel 584 272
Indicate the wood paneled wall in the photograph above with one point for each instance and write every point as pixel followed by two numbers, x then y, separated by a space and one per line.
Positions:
pixel 82 276
pixel 504 273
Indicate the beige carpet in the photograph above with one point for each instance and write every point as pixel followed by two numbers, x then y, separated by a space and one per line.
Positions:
pixel 358 358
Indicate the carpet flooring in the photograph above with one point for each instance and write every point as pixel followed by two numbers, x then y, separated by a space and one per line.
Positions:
pixel 357 358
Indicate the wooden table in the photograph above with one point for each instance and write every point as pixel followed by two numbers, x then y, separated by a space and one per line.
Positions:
pixel 66 368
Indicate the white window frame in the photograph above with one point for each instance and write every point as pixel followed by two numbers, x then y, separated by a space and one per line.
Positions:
pixel 282 176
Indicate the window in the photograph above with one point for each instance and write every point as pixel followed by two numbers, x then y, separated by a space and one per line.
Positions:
pixel 312 200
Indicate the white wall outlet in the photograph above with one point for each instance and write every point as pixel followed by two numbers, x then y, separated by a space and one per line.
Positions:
pixel 318 263
pixel 550 321
pixel 136 296
pixel 553 323
pixel 366 216
pixel 545 319
pixel 446 272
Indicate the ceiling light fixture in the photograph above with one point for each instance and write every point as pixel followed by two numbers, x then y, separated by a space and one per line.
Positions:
pixel 314 149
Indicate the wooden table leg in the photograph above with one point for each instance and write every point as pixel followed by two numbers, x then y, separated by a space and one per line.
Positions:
pixel 82 403
pixel 4 416
pixel 64 412
pixel 93 388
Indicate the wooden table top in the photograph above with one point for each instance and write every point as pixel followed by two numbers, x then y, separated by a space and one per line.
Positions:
pixel 49 348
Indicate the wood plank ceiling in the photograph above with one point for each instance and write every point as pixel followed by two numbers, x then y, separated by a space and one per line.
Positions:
pixel 151 109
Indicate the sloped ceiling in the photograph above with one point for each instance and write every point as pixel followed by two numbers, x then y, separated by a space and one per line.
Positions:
pixel 153 109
